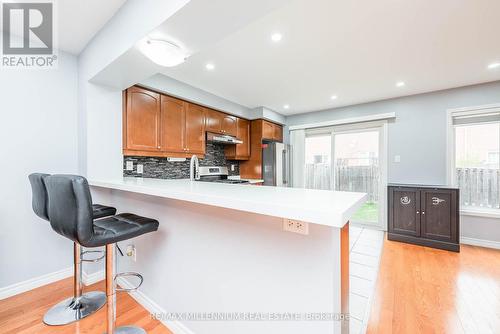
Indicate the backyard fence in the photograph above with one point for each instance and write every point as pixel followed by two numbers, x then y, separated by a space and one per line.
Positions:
pixel 479 187
pixel 347 177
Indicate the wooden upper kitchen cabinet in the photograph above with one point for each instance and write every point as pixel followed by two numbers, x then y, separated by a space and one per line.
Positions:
pixel 194 133
pixel 213 121
pixel 229 125
pixel 182 127
pixel 172 124
pixel 218 122
pixel 259 130
pixel 240 151
pixel 141 121
pixel 272 131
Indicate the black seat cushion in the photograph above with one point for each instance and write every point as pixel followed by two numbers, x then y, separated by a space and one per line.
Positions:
pixel 101 211
pixel 120 227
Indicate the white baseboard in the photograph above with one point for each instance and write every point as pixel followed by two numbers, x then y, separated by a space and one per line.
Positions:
pixel 89 279
pixel 480 242
pixel 36 282
pixel 175 327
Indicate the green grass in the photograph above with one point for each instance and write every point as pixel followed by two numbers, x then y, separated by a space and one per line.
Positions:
pixel 368 213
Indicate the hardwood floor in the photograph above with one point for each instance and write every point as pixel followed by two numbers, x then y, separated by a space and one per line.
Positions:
pixel 424 290
pixel 418 290
pixel 22 314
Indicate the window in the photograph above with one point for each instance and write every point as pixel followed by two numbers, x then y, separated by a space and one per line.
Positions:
pixel 476 165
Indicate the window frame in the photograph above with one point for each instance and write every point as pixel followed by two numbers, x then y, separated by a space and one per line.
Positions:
pixel 450 153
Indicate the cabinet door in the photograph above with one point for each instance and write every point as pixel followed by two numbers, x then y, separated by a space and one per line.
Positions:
pixel 278 133
pixel 404 211
pixel 142 120
pixel 439 214
pixel 267 130
pixel 229 126
pixel 195 129
pixel 243 150
pixel 213 121
pixel 172 124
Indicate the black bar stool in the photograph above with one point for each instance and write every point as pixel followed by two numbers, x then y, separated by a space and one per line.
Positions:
pixel 81 304
pixel 70 212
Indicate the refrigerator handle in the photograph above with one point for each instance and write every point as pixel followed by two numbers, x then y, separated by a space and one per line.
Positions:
pixel 284 168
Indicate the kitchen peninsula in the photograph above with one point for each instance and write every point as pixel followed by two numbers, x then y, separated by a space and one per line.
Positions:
pixel 222 248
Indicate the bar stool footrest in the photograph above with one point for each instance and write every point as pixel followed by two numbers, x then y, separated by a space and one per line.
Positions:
pixel 127 274
pixel 93 252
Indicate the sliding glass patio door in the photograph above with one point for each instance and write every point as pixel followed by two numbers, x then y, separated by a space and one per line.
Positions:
pixel 350 158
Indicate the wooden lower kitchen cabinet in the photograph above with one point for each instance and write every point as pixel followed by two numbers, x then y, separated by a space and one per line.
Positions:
pixel 424 215
pixel 240 151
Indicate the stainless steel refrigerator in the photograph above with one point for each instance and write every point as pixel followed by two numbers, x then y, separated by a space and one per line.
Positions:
pixel 276 166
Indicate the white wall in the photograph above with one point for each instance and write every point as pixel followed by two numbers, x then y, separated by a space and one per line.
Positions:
pixel 184 91
pixel 418 135
pixel 38 132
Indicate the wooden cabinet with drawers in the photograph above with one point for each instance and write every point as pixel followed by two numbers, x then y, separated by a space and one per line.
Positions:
pixel 424 215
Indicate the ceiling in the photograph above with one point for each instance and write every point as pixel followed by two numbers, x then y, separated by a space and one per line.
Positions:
pixel 78 21
pixel 356 50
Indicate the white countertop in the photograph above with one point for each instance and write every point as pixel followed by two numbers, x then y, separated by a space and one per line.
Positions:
pixel 330 208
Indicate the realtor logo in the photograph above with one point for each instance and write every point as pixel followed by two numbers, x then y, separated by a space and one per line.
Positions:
pixel 28 35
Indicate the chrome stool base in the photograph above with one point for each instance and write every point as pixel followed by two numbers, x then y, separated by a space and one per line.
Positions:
pixel 129 330
pixel 74 309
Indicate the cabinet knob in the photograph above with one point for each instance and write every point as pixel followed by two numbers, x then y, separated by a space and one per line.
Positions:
pixel 423 212
pixel 418 212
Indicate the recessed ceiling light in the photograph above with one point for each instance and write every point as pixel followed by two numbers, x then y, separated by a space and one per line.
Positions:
pixel 163 53
pixel 286 106
pixel 276 37
pixel 333 97
pixel 210 66
pixel 493 65
pixel 400 84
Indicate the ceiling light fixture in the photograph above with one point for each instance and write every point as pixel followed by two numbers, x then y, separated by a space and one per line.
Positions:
pixel 163 53
pixel 493 65
pixel 276 37
pixel 210 66
pixel 333 97
pixel 286 106
pixel 400 84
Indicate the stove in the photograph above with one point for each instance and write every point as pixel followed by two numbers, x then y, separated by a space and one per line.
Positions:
pixel 217 175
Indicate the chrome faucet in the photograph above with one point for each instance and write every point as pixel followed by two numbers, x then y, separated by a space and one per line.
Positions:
pixel 194 168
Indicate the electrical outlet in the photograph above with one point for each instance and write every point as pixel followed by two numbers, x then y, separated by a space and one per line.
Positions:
pixel 129 165
pixel 140 169
pixel 397 158
pixel 233 167
pixel 295 226
pixel 132 252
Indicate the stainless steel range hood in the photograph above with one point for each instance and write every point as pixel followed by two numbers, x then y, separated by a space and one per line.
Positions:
pixel 223 139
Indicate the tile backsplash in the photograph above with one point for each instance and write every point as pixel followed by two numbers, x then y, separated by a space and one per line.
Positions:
pixel 160 168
